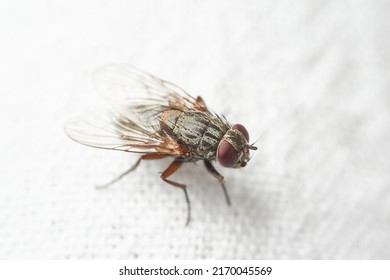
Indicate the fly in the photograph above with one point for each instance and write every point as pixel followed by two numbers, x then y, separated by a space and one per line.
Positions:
pixel 164 121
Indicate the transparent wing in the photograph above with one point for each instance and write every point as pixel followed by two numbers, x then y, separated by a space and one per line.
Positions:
pixel 138 99
pixel 123 82
pixel 109 130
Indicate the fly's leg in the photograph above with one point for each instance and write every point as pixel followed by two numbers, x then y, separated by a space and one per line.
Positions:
pixel 143 157
pixel 220 178
pixel 106 185
pixel 168 172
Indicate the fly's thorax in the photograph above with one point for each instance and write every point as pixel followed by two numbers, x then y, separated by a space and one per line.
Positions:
pixel 233 150
pixel 200 132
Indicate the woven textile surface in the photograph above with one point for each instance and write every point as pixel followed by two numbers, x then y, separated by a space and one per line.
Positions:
pixel 310 79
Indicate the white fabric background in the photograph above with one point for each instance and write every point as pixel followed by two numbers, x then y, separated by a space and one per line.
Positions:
pixel 310 78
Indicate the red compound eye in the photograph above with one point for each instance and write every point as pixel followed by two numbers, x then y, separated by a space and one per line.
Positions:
pixel 243 130
pixel 227 155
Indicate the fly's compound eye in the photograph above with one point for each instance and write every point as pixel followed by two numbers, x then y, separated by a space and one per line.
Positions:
pixel 243 130
pixel 227 155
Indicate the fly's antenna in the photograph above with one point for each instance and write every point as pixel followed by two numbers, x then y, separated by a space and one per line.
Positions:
pixel 257 140
pixel 252 146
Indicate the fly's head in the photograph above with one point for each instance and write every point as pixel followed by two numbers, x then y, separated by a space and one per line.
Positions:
pixel 233 150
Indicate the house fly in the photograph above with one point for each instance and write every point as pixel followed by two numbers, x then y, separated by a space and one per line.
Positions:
pixel 158 119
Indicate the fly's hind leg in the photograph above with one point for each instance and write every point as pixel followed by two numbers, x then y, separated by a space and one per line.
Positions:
pixel 143 157
pixel 220 178
pixel 168 172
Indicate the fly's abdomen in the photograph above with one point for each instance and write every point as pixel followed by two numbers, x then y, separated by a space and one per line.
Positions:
pixel 201 132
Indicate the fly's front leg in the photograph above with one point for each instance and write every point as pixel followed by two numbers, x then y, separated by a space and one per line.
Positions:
pixel 220 178
pixel 168 172
pixel 143 157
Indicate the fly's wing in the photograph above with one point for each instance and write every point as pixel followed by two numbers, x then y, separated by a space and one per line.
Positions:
pixel 115 131
pixel 138 99
pixel 124 82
